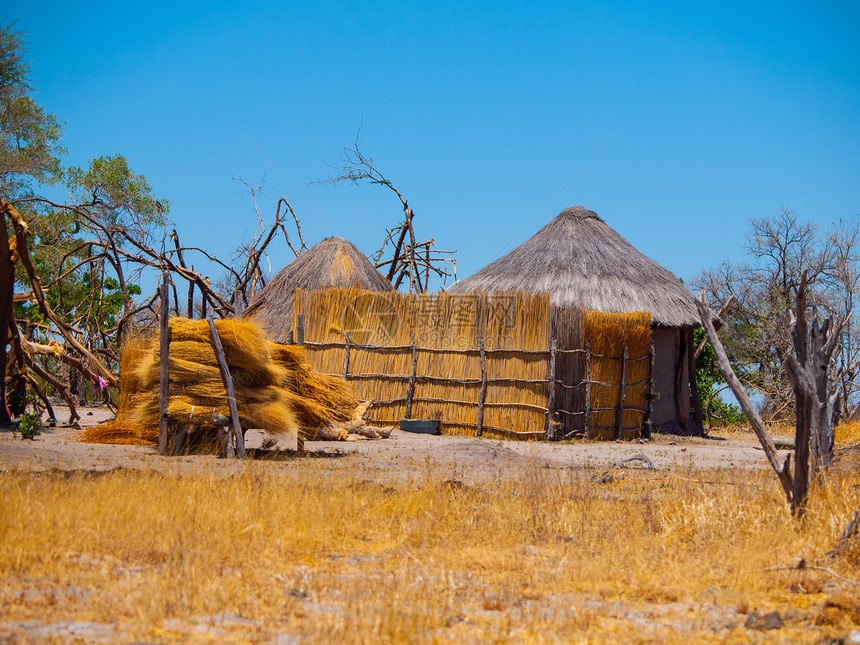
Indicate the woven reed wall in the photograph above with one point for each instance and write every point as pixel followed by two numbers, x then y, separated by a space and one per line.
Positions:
pixel 446 329
pixel 606 336
pixel 516 328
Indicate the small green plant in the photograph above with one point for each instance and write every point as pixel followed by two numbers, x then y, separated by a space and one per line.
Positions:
pixel 29 425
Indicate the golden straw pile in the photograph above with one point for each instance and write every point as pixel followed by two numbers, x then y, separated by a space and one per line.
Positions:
pixel 608 334
pixel 276 390
pixel 441 322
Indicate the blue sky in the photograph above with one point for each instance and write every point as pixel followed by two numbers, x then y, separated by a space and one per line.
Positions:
pixel 479 113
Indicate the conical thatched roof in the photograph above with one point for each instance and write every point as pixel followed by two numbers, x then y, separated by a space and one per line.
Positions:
pixel 334 262
pixel 582 263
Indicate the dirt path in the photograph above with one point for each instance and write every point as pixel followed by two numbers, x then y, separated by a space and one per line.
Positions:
pixel 404 454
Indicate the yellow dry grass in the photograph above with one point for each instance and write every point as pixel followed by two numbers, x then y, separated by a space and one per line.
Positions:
pixel 437 322
pixel 606 335
pixel 539 556
pixel 848 434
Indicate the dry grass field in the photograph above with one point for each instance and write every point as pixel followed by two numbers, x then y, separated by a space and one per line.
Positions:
pixel 309 553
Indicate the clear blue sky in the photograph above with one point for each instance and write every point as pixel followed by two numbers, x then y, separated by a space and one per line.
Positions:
pixel 479 112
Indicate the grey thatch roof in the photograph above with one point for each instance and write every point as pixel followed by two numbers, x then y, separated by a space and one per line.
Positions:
pixel 583 263
pixel 334 262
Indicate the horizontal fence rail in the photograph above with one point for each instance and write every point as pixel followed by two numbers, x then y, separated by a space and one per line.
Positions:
pixel 549 411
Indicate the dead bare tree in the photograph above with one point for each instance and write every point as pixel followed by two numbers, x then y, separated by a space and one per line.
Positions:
pixel 812 370
pixel 758 321
pixel 103 248
pixel 401 256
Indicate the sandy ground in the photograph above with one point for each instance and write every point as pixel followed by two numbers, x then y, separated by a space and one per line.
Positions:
pixel 402 455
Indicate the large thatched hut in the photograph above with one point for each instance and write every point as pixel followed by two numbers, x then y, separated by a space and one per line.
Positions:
pixel 334 262
pixel 585 265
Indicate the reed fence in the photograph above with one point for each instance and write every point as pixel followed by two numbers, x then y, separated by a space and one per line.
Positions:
pixel 416 404
pixel 506 365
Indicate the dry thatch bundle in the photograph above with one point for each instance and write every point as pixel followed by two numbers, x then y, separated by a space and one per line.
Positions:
pixel 275 388
pixel 606 335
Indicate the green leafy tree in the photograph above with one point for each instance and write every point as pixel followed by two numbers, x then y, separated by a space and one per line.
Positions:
pixel 711 384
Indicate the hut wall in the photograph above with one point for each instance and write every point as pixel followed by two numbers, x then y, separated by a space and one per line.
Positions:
pixel 670 366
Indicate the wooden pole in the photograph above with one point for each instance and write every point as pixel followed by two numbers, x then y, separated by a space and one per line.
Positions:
pixel 178 438
pixel 410 391
pixel 164 376
pixel 587 391
pixel 346 356
pixel 649 393
pixel 483 396
pixel 238 435
pixel 680 370
pixel 743 398
pixel 300 329
pixel 550 383
pixel 698 421
pixel 619 413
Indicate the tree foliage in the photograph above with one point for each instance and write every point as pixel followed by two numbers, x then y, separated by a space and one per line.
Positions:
pixel 781 250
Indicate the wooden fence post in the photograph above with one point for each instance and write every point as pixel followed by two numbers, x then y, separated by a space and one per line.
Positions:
pixel 587 391
pixel 346 356
pixel 410 392
pixel 300 329
pixel 619 413
pixel 238 435
pixel 550 397
pixel 164 383
pixel 649 393
pixel 480 430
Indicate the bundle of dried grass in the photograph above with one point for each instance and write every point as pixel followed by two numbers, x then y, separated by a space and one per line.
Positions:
pixel 606 336
pixel 275 388
pixel 318 399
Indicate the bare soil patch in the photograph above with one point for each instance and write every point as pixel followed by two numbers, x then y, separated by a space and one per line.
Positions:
pixel 403 455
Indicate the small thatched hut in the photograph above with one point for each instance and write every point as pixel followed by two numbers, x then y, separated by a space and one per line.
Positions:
pixel 585 265
pixel 334 262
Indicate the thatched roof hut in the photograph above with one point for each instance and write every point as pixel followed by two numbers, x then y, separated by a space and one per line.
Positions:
pixel 585 265
pixel 334 262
